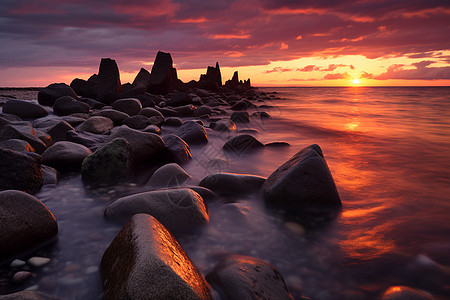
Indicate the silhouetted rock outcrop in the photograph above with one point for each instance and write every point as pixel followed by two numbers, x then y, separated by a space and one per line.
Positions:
pixel 234 82
pixel 212 80
pixel 139 85
pixel 163 76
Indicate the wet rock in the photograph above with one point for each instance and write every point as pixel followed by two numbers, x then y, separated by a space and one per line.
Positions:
pixel 176 150
pixel 192 133
pixel 20 171
pixel 152 129
pixel 139 85
pixel 28 295
pixel 130 106
pixel 244 277
pixel 137 122
pixel 151 112
pixel 68 105
pixel 405 293
pixel 143 144
pixel 110 164
pixel 205 193
pixel 90 140
pixel 304 180
pixel 48 95
pixel 145 261
pixel 106 82
pixel 38 262
pixel 97 125
pixel 203 110
pixel 179 99
pixel 232 184
pixel 49 174
pixel 168 175
pixel 25 223
pixel 147 100
pixel 224 125
pixel 185 110
pixel 173 121
pixel 180 209
pixel 22 132
pixel 65 155
pixel 94 104
pixel 163 75
pixel 17 145
pixel 24 109
pixel 44 137
pixel 240 105
pixel 116 116
pixel 277 145
pixel 240 117
pixel 58 132
pixel 168 112
pixel 243 143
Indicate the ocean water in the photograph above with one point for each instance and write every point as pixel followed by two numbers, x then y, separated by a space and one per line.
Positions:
pixel 388 151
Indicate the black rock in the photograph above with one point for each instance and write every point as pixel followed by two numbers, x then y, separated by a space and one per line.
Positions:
pixel 67 105
pixel 139 85
pixel 243 143
pixel 22 132
pixel 116 116
pixel 90 140
pixel 107 80
pixel 17 145
pixel 20 171
pixel 24 109
pixel 58 132
pixel 192 133
pixel 163 75
pixel 179 99
pixel 176 150
pixel 65 155
pixel 232 184
pixel 48 95
pixel 130 106
pixel 240 117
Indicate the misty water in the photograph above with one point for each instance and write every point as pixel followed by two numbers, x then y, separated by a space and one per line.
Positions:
pixel 388 151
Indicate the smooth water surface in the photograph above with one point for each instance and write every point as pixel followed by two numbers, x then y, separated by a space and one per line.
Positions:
pixel 388 150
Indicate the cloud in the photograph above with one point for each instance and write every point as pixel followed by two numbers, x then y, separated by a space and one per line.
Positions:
pixel 334 76
pixel 420 71
pixel 278 69
pixel 366 75
pixel 331 67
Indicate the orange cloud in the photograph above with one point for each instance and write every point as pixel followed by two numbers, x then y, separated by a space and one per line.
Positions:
pixel 230 36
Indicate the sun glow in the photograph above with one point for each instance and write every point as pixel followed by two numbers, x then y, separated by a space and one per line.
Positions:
pixel 356 81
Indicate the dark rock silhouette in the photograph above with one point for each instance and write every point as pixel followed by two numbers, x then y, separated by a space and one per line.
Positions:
pixel 163 76
pixel 212 80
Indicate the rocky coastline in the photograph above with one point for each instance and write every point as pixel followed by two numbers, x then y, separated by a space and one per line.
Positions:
pixel 142 132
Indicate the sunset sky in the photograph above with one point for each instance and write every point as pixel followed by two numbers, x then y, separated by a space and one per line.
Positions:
pixel 274 42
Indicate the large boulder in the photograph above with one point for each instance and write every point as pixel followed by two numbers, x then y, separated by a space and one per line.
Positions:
pixel 108 79
pixel 232 184
pixel 116 116
pixel 169 175
pixel 20 171
pixel 223 125
pixel 25 223
pixel 139 85
pixel 145 261
pixel 22 132
pixel 243 143
pixel 17 145
pixel 405 293
pixel 24 109
pixel 176 149
pixel 58 132
pixel 130 106
pixel 240 117
pixel 179 99
pixel 90 140
pixel 97 124
pixel 68 105
pixel 137 122
pixel 48 95
pixel 212 80
pixel 65 155
pixel 180 209
pixel 110 164
pixel 192 133
pixel 143 144
pixel 303 181
pixel 240 277
pixel 163 74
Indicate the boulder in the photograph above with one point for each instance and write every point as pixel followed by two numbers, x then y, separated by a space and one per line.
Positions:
pixel 94 104
pixel 65 155
pixel 151 112
pixel 24 109
pixel 67 105
pixel 28 295
pixel 176 150
pixel 169 175
pixel 49 174
pixel 405 293
pixel 138 122
pixel 107 81
pixel 224 125
pixel 26 223
pixel 145 261
pixel 83 87
pixel 203 110
pixel 232 184
pixel 90 140
pixel 44 137
pixel 243 277
pixel 179 210
pixel 116 116
pixel 152 129
pixel 173 121
pixel 48 95
pixel 17 145
pixel 168 112
pixel 163 74
pixel 139 85
pixel 240 117
pixel 20 171
pixel 110 164
pixel 22 132
pixel 304 180
pixel 240 105
pixel 143 144
pixel 179 99
pixel 97 124
pixel 130 106
pixel 185 110
pixel 243 143
pixel 58 132
pixel 192 133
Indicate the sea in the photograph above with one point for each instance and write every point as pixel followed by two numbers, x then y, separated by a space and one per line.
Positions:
pixel 388 149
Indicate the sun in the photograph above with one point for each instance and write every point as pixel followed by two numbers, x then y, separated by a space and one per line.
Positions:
pixel 356 81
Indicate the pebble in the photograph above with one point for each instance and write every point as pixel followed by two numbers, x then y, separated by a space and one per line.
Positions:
pixel 21 277
pixel 38 262
pixel 17 263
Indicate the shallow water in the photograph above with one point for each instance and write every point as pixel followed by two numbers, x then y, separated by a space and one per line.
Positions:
pixel 387 149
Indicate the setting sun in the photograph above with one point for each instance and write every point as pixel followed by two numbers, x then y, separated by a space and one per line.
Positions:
pixel 356 81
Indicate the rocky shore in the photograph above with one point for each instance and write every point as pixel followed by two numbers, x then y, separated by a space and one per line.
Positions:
pixel 142 133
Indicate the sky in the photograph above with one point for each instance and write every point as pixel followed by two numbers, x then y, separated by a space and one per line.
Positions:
pixel 273 42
